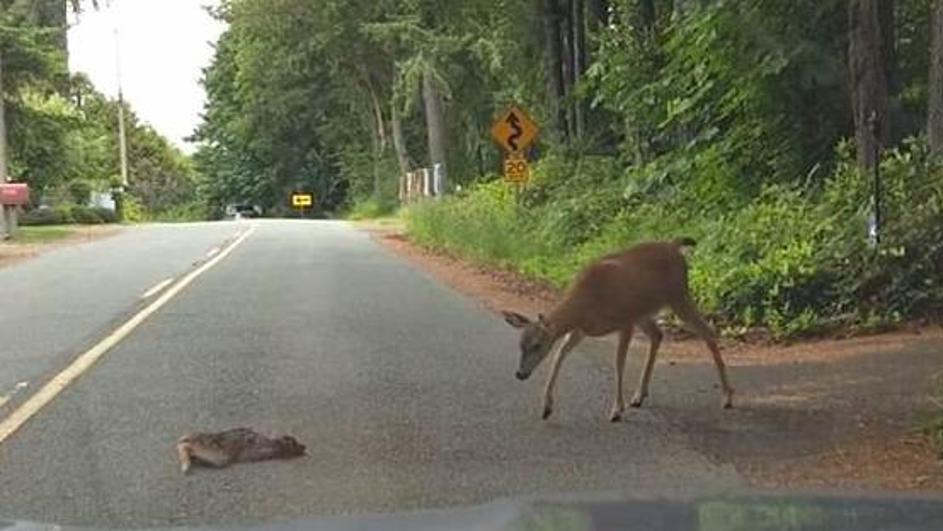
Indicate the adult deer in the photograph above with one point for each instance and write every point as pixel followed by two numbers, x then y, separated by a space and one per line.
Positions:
pixel 618 293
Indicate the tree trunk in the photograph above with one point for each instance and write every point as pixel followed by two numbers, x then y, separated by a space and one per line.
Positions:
pixel 7 219
pixel 897 118
pixel 575 63
pixel 379 120
pixel 646 10
pixel 435 121
pixel 578 20
pixel 598 13
pixel 379 142
pixel 399 144
pixel 553 55
pixel 935 99
pixel 869 96
pixel 568 32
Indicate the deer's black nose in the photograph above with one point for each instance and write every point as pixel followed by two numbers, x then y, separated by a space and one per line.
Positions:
pixel 521 375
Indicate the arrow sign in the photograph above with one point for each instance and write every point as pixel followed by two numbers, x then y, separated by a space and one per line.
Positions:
pixel 514 130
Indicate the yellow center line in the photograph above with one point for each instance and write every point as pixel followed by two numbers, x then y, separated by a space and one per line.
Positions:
pixel 83 362
pixel 157 287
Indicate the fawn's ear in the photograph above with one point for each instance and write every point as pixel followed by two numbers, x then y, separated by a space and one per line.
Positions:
pixel 515 319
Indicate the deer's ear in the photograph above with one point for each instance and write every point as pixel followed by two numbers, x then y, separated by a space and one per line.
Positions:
pixel 515 319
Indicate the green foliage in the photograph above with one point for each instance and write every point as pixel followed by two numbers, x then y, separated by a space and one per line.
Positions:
pixel 61 130
pixel 192 211
pixel 132 210
pixel 66 214
pixel 80 191
pixel 717 120
pixel 795 262
pixel 85 215
pixel 371 209
pixel 46 216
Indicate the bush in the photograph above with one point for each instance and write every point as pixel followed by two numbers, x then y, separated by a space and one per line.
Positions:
pixel 371 209
pixel 796 262
pixel 85 215
pixel 46 216
pixel 132 209
pixel 192 211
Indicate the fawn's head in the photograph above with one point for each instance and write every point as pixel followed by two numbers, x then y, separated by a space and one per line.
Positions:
pixel 289 446
pixel 536 341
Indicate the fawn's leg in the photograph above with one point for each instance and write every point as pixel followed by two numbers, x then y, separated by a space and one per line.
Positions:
pixel 622 350
pixel 569 342
pixel 654 337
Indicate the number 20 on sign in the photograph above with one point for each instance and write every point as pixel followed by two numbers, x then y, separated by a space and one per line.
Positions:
pixel 516 169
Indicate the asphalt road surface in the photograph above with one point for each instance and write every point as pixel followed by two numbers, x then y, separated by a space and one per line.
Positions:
pixel 402 389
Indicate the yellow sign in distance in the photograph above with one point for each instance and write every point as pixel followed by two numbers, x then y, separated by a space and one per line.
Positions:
pixel 516 169
pixel 299 200
pixel 514 130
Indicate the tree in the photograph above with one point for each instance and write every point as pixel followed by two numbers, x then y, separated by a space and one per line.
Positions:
pixel 869 88
pixel 935 85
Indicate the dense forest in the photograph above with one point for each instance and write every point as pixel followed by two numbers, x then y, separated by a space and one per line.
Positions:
pixel 62 132
pixel 755 126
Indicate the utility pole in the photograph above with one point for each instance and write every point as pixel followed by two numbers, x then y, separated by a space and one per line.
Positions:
pixel 122 136
pixel 8 217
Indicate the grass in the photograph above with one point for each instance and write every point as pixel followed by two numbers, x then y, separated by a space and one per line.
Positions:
pixel 43 234
pixel 371 209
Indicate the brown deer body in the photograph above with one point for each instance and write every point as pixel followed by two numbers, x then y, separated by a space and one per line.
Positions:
pixel 221 449
pixel 618 293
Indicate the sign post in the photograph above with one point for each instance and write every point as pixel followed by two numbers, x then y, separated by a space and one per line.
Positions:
pixel 301 201
pixel 515 131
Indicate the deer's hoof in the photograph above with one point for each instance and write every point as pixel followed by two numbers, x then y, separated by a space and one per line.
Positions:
pixel 637 401
pixel 615 416
pixel 728 400
pixel 547 412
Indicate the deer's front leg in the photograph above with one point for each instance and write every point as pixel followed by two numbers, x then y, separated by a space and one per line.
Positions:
pixel 570 341
pixel 654 336
pixel 618 405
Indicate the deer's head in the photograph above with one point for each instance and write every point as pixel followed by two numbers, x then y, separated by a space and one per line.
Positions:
pixel 536 341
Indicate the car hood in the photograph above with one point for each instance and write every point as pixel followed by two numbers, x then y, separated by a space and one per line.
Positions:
pixel 728 513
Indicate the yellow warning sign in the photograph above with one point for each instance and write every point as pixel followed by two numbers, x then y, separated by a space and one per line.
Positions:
pixel 514 130
pixel 516 169
pixel 299 200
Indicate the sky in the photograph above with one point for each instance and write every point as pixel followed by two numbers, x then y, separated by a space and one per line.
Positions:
pixel 164 44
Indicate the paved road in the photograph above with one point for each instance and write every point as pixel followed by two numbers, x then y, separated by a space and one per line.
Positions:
pixel 60 302
pixel 403 389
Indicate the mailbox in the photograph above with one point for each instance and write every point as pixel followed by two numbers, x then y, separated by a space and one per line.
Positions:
pixel 14 194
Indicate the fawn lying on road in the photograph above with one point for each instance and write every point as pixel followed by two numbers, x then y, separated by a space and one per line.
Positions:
pixel 224 448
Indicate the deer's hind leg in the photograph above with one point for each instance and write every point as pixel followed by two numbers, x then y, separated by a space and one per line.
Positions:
pixel 687 311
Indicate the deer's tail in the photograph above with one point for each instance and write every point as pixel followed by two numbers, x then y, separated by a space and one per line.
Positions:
pixel 685 242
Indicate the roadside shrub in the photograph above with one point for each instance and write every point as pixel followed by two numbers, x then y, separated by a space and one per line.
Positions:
pixel 132 209
pixel 86 215
pixel 192 211
pixel 371 208
pixel 45 216
pixel 106 215
pixel 795 261
pixel 80 191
